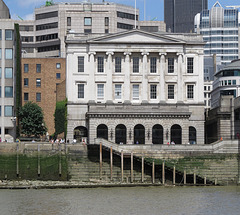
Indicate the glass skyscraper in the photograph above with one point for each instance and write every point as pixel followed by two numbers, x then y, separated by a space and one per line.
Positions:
pixel 179 14
pixel 220 30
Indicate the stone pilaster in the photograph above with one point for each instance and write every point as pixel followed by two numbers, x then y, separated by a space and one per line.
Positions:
pixel 126 70
pixel 109 72
pixel 162 76
pixel 91 82
pixel 180 86
pixel 144 92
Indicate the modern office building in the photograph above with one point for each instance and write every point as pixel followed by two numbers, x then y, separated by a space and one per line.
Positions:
pixel 179 14
pixel 220 29
pixel 8 53
pixel 135 87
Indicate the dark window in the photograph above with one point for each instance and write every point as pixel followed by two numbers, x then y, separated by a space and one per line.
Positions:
pixel 46 26
pixel 118 64
pixel 124 26
pixel 153 91
pixel 189 65
pixel 126 15
pixel 135 64
pixel 38 97
pixel 26 82
pixel 69 21
pixel 38 82
pixel 49 48
pixel 58 75
pixel 46 15
pixel 87 31
pixel 38 68
pixel 153 65
pixel 8 92
pixel 27 39
pixel 100 64
pixel 170 65
pixel 170 91
pixel 8 35
pixel 106 31
pixel 149 28
pixel 0 34
pixel 80 64
pixel 26 68
pixel 46 37
pixel 25 27
pixel 106 21
pixel 190 92
pixel 26 97
pixel 80 91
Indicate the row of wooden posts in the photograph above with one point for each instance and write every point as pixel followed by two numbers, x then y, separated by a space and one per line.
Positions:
pixel 153 170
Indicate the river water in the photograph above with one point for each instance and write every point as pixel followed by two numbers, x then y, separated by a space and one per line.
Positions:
pixel 114 201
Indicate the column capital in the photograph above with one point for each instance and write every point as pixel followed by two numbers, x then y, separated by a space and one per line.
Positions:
pixel 179 54
pixel 145 53
pixel 110 53
pixel 162 53
pixel 91 53
pixel 127 53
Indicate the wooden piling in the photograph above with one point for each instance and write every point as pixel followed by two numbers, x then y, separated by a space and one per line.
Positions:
pixel 122 166
pixel 17 160
pixel 194 177
pixel 131 167
pixel 100 162
pixel 153 172
pixel 111 163
pixel 205 180
pixel 185 177
pixel 163 172
pixel 39 167
pixel 174 175
pixel 60 160
pixel 142 169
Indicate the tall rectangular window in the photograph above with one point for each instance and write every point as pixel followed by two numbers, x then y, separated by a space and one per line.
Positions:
pixel 0 72
pixel 170 65
pixel 100 91
pixel 190 65
pixel 81 91
pixel 38 68
pixel 118 64
pixel 87 21
pixel 25 96
pixel 135 91
pixel 38 82
pixel 8 73
pixel 118 91
pixel 8 54
pixel 58 75
pixel 153 91
pixel 106 21
pixel 8 35
pixel 153 65
pixel 0 54
pixel 8 110
pixel 100 64
pixel 170 91
pixel 8 92
pixel 0 34
pixel 38 97
pixel 69 21
pixel 135 64
pixel 25 82
pixel 190 91
pixel 26 68
pixel 80 64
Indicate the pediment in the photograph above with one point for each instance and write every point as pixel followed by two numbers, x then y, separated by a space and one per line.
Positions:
pixel 136 36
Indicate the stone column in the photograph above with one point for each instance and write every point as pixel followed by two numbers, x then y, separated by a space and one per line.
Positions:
pixel 109 72
pixel 180 86
pixel 162 76
pixel 91 82
pixel 144 91
pixel 126 69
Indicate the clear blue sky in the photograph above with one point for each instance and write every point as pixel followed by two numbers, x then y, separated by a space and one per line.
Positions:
pixel 154 8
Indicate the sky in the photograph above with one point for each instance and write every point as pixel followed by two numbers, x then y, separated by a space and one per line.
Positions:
pixel 154 8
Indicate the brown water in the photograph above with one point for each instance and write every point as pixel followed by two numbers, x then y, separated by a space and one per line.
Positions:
pixel 134 201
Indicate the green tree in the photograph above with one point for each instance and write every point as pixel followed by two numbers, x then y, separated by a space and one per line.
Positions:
pixel 31 120
pixel 60 117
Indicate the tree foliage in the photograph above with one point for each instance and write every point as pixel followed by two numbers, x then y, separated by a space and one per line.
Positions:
pixel 31 120
pixel 60 117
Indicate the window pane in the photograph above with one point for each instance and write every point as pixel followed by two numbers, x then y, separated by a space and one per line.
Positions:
pixel 118 64
pixel 8 111
pixel 106 21
pixel 8 73
pixel 118 91
pixel 38 97
pixel 170 91
pixel 38 82
pixel 190 92
pixel 190 65
pixel 0 34
pixel 25 82
pixel 100 64
pixel 8 54
pixel 135 92
pixel 26 68
pixel 26 97
pixel 68 21
pixel 8 92
pixel 135 64
pixel 100 91
pixel 80 64
pixel 153 65
pixel 80 91
pixel 88 21
pixel 153 91
pixel 38 68
pixel 0 54
pixel 8 35
pixel 58 65
pixel 58 75
pixel 0 72
pixel 170 65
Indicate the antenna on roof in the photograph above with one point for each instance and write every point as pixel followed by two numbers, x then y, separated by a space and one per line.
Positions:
pixel 135 14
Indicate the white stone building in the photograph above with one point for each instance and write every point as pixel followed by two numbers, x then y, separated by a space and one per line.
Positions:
pixel 135 87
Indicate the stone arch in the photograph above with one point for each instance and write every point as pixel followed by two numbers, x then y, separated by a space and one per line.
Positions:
pixel 102 131
pixel 192 135
pixel 176 134
pixel 79 133
pixel 139 134
pixel 121 134
pixel 157 134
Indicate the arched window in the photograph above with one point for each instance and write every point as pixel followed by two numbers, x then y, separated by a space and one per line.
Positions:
pixel 176 134
pixel 102 131
pixel 192 135
pixel 139 134
pixel 157 134
pixel 121 134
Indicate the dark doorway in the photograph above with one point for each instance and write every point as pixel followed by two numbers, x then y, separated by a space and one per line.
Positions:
pixel 192 135
pixel 176 134
pixel 102 131
pixel 121 134
pixel 79 133
pixel 139 134
pixel 157 134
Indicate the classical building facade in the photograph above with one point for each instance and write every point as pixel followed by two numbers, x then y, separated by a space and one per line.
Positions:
pixel 135 87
